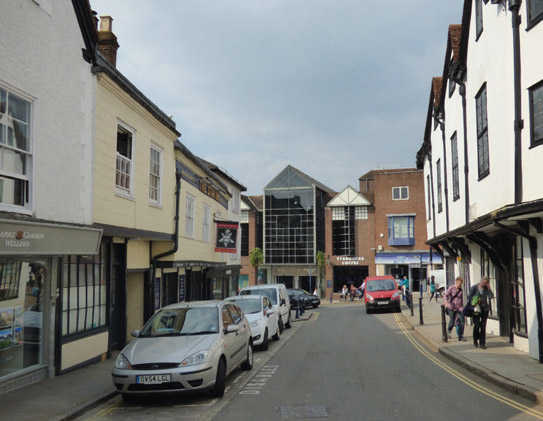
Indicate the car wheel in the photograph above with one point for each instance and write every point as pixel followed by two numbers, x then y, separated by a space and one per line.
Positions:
pixel 288 325
pixel 248 363
pixel 127 398
pixel 266 341
pixel 281 325
pixel 220 379
pixel 277 335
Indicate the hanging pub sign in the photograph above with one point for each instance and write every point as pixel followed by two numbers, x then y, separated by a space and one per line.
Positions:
pixel 227 234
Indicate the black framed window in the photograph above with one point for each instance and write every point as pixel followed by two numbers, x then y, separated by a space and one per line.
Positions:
pixel 482 133
pixel 478 18
pixel 83 294
pixel 455 174
pixel 429 194
pixel 244 239
pixel 519 293
pixel 536 114
pixel 489 270
pixel 10 275
pixel 535 12
pixel 343 231
pixel 439 188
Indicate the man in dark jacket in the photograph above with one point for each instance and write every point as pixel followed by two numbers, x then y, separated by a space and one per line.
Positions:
pixel 482 307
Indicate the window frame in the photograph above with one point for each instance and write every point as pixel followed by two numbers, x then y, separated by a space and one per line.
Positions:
pixel 120 190
pixel 29 154
pixel 400 189
pixel 454 167
pixel 519 282
pixel 429 196
pixel 439 187
pixel 189 217
pixel 393 239
pixel 482 135
pixel 532 21
pixel 158 149
pixel 534 142
pixel 479 23
pixel 206 235
pixel 360 213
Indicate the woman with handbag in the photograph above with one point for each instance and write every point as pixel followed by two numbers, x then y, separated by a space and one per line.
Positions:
pixel 479 299
pixel 454 302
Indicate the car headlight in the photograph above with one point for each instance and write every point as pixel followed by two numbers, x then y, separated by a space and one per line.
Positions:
pixel 369 297
pixel 122 362
pixel 195 359
pixel 254 323
pixel 396 295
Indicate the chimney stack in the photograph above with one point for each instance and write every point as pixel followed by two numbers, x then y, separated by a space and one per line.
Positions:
pixel 107 41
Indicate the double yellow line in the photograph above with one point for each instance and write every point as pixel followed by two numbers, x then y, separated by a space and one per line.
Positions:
pixel 464 379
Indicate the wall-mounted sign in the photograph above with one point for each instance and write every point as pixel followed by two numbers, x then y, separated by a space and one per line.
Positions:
pixel 345 260
pixel 21 237
pixel 227 233
pixel 181 288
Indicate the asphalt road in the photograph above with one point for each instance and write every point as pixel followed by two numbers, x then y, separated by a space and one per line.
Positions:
pixel 340 365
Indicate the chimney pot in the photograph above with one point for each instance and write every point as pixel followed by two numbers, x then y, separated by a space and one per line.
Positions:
pixel 106 23
pixel 107 41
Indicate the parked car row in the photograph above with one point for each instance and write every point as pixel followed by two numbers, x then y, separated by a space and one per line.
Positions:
pixel 195 345
pixel 299 297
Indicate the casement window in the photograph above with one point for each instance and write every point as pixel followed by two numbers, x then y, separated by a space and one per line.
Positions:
pixel 429 197
pixel 15 151
pixel 478 18
pixel 439 188
pixel 155 164
pixel 536 114
pixel 83 294
pixel 244 239
pixel 123 172
pixel 206 223
pixel 189 216
pixel 535 12
pixel 361 212
pixel 401 230
pixel 400 193
pixel 482 133
pixel 455 174
pixel 519 293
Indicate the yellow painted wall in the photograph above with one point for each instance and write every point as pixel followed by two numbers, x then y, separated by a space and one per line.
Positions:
pixel 137 256
pixel 82 350
pixel 134 302
pixel 113 106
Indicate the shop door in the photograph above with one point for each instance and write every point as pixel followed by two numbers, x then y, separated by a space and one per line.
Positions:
pixel 117 284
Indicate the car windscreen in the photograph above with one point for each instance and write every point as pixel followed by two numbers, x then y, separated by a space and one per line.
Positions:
pixel 271 293
pixel 381 285
pixel 248 305
pixel 182 322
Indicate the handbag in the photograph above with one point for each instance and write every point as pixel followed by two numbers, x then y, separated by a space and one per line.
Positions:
pixel 470 308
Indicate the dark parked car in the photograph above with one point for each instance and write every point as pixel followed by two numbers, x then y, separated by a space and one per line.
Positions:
pixel 309 300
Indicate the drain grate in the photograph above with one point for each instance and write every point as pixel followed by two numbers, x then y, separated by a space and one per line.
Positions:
pixel 303 411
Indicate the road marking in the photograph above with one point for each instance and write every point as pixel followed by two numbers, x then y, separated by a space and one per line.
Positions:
pixel 259 381
pixel 464 379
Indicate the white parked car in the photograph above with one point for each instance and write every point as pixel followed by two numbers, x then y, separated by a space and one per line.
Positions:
pixel 183 347
pixel 278 296
pixel 263 320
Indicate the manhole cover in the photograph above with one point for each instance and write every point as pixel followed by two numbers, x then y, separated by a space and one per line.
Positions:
pixel 303 411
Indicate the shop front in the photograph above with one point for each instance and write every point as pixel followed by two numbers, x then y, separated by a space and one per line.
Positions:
pixel 413 264
pixel 39 263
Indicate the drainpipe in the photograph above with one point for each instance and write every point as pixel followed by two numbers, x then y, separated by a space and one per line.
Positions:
pixel 441 122
pixel 462 91
pixel 176 230
pixel 535 272
pixel 514 6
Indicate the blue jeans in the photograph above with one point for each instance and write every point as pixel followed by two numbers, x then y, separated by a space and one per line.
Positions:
pixel 457 319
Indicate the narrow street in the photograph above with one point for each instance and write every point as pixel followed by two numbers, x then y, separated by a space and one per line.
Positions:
pixel 343 365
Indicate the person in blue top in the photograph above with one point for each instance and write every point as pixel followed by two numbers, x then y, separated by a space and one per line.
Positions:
pixel 404 284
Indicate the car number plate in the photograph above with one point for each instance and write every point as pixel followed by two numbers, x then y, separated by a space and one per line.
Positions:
pixel 154 379
pixel 381 303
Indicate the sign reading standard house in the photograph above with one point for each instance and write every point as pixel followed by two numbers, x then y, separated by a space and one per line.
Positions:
pixel 227 233
pixel 345 260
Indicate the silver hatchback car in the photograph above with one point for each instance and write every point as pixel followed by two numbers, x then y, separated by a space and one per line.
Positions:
pixel 185 346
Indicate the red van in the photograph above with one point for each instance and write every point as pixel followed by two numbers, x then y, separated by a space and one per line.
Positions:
pixel 382 292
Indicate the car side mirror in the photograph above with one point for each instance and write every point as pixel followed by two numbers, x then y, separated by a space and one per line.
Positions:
pixel 135 333
pixel 231 329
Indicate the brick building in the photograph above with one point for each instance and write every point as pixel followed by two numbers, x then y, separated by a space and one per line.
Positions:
pixel 251 237
pixel 379 230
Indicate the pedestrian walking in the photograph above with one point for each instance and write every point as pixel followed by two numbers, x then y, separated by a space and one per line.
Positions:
pixel 404 284
pixel 432 289
pixel 479 298
pixel 454 303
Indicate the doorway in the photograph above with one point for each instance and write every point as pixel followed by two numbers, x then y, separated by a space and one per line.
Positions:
pixel 308 283
pixel 346 275
pixel 117 291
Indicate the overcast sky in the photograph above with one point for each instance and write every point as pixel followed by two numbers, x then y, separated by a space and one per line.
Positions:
pixel 335 88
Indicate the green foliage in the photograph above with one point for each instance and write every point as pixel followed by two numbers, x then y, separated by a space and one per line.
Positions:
pixel 256 257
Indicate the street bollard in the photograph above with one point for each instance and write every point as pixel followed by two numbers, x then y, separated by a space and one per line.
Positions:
pixel 410 295
pixel 420 311
pixel 444 324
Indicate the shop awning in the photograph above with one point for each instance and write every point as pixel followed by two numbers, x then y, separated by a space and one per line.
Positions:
pixel 407 258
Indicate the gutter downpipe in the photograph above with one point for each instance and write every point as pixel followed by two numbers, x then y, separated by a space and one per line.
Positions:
pixel 176 230
pixel 441 122
pixel 462 91
pixel 535 272
pixel 514 7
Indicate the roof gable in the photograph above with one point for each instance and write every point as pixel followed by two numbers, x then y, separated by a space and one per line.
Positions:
pixel 349 197
pixel 293 177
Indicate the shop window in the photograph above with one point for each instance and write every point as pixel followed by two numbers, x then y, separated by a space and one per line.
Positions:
pixel 488 269
pixel 519 295
pixel 244 239
pixel 401 230
pixel 482 133
pixel 15 151
pixel 22 285
pixel 83 295
pixel 400 193
pixel 154 174
pixel 123 171
pixel 536 114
